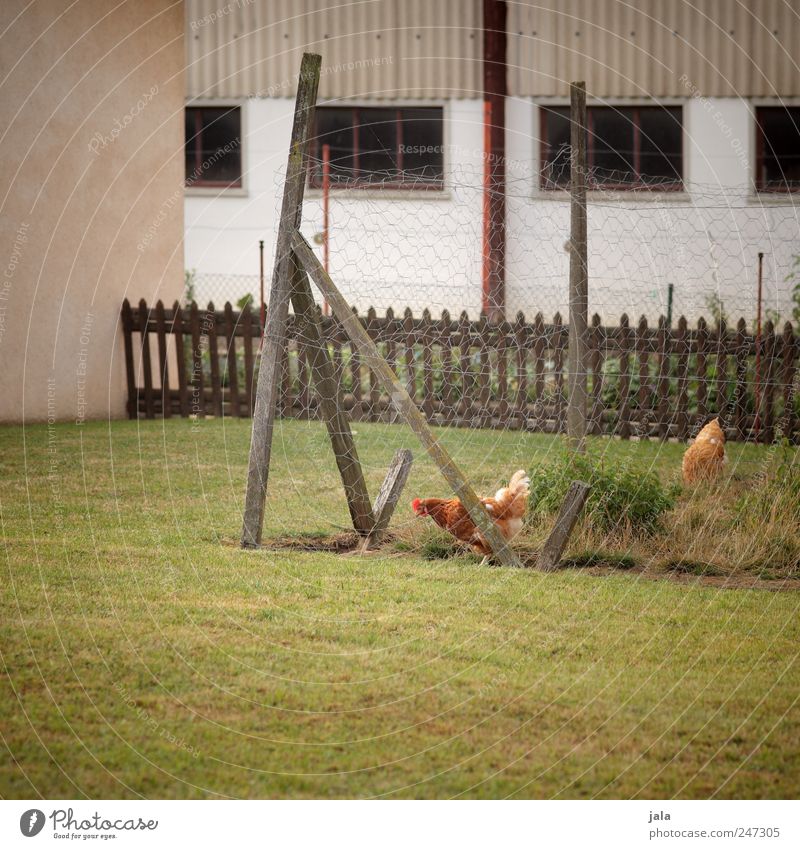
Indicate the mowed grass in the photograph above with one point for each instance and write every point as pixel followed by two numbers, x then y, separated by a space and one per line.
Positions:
pixel 144 654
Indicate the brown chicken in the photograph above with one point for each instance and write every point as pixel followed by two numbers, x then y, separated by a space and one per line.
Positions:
pixel 705 457
pixel 507 508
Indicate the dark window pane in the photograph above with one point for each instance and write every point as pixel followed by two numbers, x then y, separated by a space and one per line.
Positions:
pixel 192 143
pixel 422 145
pixel 213 155
pixel 365 146
pixel 611 139
pixel 557 147
pixel 779 165
pixel 377 145
pixel 660 145
pixel 335 128
pixel 220 153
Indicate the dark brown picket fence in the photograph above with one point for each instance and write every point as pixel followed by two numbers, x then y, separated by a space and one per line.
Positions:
pixel 646 382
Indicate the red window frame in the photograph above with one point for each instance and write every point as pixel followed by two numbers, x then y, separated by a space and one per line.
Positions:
pixel 761 185
pixel 674 186
pixel 315 180
pixel 199 182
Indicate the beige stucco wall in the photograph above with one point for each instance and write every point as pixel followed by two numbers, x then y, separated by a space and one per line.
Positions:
pixel 91 194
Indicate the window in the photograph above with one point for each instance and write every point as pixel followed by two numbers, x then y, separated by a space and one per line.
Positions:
pixel 778 149
pixel 387 147
pixel 626 147
pixel 213 146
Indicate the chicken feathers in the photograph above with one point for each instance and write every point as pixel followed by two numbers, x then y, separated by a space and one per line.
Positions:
pixel 506 508
pixel 705 457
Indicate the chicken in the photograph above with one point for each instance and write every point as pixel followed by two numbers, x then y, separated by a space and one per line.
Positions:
pixel 705 457
pixel 507 509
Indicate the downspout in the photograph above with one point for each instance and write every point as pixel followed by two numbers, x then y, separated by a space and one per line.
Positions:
pixel 494 205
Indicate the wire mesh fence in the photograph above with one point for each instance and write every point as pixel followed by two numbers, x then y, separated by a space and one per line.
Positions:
pixel 653 250
pixel 678 331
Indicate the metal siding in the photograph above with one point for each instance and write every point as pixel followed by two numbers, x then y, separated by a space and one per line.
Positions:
pixel 724 48
pixel 422 49
pixel 377 49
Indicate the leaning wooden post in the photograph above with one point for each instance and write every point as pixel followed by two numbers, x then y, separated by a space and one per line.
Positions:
pixel 389 495
pixel 322 373
pixel 402 402
pixel 578 273
pixel 567 516
pixel 275 330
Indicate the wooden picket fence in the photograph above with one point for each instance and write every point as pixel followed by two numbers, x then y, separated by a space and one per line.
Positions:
pixel 644 382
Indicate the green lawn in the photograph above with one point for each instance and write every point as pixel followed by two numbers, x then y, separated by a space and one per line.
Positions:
pixel 144 654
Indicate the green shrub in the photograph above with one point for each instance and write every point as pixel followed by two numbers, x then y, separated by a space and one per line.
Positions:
pixel 621 498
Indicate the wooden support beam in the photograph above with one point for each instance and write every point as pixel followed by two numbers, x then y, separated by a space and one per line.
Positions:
pixel 389 495
pixel 567 516
pixel 275 330
pixel 401 401
pixel 578 354
pixel 355 489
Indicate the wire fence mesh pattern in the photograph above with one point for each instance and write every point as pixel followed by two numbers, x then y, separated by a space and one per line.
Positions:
pixel 645 381
pixel 422 248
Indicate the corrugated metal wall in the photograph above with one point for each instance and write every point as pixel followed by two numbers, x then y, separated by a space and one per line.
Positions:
pixel 724 47
pixel 432 48
pixel 375 48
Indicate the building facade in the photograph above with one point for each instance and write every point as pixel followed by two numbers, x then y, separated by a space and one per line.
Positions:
pixel 694 111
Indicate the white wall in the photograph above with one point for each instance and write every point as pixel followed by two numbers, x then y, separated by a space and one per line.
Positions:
pixel 405 250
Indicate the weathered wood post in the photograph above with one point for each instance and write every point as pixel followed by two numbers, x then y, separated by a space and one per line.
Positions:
pixel 567 516
pixel 275 329
pixel 578 274
pixel 389 495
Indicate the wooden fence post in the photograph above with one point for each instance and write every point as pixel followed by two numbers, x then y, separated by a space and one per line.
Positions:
pixel 389 495
pixel 180 358
pixel 327 387
pixel 625 348
pixel 275 330
pixel 578 365
pixel 127 333
pixel 571 508
pixel 144 322
pixel 161 328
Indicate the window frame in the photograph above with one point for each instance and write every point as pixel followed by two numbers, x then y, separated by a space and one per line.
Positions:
pixel 678 185
pixel 205 187
pixel 358 185
pixel 759 186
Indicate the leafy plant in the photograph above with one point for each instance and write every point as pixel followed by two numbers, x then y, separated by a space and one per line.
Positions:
pixel 189 287
pixel 245 301
pixel 794 276
pixel 716 307
pixel 621 497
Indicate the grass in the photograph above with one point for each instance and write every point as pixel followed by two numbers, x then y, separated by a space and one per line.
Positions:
pixel 144 654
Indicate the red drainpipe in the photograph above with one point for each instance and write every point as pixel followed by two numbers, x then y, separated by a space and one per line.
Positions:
pixel 494 205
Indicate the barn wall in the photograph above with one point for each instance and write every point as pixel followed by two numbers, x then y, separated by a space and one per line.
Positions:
pixel 413 48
